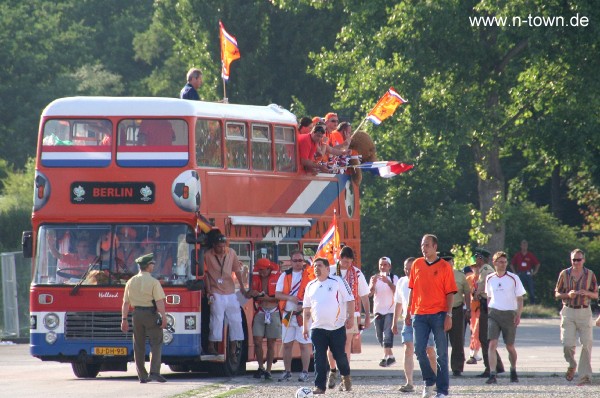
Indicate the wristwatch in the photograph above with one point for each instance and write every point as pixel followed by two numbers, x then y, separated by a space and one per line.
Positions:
pixel 449 314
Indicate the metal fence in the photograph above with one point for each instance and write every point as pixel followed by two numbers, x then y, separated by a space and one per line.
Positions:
pixel 15 273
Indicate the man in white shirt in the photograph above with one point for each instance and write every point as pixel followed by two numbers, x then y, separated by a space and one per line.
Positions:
pixel 505 303
pixel 354 277
pixel 382 287
pixel 329 304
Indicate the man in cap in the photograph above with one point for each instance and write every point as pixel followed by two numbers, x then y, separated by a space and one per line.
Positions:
pixel 481 262
pixel 456 334
pixel 267 320
pixel 221 263
pixel 146 296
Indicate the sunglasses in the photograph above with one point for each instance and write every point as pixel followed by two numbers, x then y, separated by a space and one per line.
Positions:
pixel 333 121
pixel 576 260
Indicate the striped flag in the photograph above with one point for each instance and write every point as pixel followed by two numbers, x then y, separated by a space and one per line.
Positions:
pixel 229 51
pixel 385 169
pixel 329 246
pixel 386 106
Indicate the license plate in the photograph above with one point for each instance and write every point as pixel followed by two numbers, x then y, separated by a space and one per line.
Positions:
pixel 110 350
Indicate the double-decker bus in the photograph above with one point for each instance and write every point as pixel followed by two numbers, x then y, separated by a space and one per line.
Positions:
pixel 120 177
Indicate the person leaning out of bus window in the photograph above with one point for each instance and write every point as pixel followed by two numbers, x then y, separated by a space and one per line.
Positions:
pixel 194 81
pixel 267 318
pixel 340 138
pixel 76 263
pixel 221 263
pixel 310 147
pixel 305 125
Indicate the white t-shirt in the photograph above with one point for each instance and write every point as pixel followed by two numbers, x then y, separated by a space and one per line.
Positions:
pixel 502 291
pixel 383 296
pixel 296 278
pixel 327 301
pixel 401 294
pixel 363 286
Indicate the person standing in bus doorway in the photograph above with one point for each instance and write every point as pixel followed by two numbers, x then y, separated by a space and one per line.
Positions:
pixel 290 292
pixel 382 287
pixel 432 290
pixel 146 296
pixel 194 81
pixel 328 303
pixel 221 263
pixel 267 319
pixel 353 276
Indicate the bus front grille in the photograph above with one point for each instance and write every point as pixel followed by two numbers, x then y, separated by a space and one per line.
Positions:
pixel 95 326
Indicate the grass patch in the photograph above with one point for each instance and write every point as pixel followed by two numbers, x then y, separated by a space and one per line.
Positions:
pixel 235 391
pixel 539 311
pixel 197 391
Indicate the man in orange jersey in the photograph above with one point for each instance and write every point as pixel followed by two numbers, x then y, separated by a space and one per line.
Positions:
pixel 430 301
pixel 267 319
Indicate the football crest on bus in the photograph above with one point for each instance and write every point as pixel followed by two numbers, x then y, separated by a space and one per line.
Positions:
pixel 146 193
pixel 186 191
pixel 79 192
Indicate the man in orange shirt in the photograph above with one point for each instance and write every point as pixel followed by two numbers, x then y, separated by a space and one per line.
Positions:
pixel 430 301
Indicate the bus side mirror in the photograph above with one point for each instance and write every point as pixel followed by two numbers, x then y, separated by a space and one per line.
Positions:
pixel 27 244
pixel 197 263
pixel 192 239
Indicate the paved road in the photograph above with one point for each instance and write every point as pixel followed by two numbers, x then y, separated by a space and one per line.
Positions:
pixel 541 366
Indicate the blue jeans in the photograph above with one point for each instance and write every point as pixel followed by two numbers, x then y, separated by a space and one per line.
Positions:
pixel 527 280
pixel 335 340
pixel 383 330
pixel 424 325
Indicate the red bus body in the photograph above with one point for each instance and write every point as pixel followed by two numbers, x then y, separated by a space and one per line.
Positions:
pixel 128 175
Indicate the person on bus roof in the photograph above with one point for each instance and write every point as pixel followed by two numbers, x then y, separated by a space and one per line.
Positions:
pixel 194 81
pixel 311 146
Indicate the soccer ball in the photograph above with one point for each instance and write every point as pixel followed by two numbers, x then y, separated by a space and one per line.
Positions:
pixel 186 191
pixel 304 392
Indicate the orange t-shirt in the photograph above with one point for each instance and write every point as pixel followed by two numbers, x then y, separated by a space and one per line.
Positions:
pixel 336 138
pixel 430 284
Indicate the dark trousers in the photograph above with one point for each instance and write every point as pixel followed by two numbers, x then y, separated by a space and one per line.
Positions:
pixel 483 338
pixel 528 284
pixel 144 324
pixel 456 337
pixel 335 340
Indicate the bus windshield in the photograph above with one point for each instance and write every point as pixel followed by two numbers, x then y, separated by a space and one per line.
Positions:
pixel 105 254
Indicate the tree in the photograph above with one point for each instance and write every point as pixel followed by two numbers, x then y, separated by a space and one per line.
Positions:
pixel 485 88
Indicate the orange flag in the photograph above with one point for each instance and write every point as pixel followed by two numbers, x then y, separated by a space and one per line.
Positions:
pixel 229 51
pixel 386 106
pixel 329 246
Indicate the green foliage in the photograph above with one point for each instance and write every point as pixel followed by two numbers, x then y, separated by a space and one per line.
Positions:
pixel 16 201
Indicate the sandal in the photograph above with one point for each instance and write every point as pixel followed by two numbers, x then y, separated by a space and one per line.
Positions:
pixel 570 374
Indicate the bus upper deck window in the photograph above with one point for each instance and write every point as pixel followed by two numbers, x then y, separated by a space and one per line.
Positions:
pixel 261 147
pixel 237 146
pixel 285 148
pixel 208 143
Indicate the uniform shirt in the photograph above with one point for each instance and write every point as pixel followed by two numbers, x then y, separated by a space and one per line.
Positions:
pixel 502 291
pixel 485 270
pixel 296 277
pixel 141 289
pixel 327 301
pixel 383 296
pixel 363 286
pixel 221 268
pixel 401 294
pixel 430 284
pixel 462 287
pixel 524 262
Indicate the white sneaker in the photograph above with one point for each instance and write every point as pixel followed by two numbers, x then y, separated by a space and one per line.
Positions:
pixel 428 392
pixel 303 376
pixel 478 357
pixel 441 395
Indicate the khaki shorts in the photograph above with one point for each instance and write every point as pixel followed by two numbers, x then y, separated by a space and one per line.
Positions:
pixel 502 321
pixel 271 330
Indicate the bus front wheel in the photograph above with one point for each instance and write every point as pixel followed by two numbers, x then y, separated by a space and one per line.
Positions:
pixel 85 370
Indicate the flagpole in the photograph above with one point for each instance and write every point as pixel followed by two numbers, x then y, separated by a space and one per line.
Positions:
pixel 224 91
pixel 360 125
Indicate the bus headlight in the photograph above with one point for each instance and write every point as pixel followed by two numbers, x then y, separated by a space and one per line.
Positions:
pixel 170 321
pixel 51 321
pixel 167 337
pixel 51 337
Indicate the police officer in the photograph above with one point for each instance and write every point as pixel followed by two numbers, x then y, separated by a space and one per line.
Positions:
pixel 146 296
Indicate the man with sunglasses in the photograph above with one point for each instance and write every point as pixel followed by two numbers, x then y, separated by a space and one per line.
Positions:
pixel 311 146
pixel 577 287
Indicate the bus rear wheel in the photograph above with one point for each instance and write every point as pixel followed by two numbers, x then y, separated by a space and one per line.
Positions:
pixel 85 370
